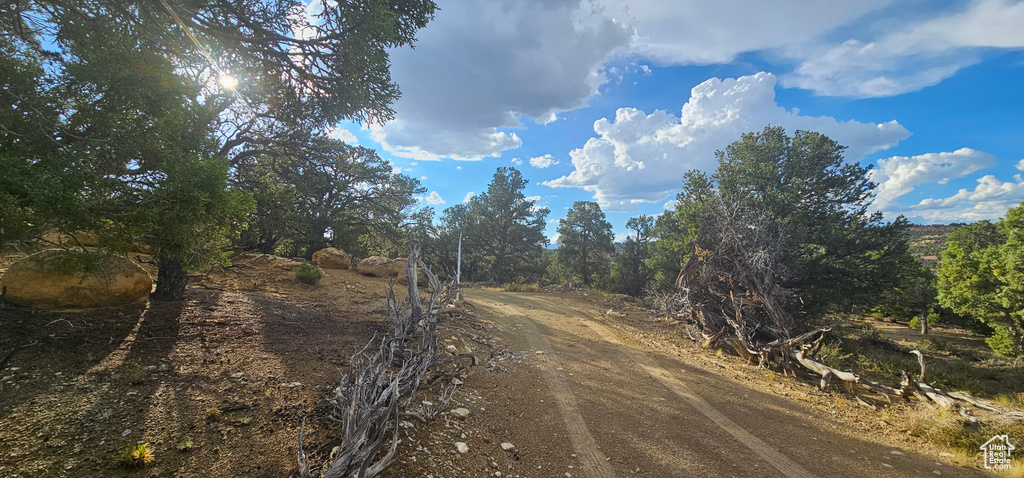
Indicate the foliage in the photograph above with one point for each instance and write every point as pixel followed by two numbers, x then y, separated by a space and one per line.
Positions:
pixel 291 66
pixel 585 241
pixel 630 271
pixel 135 455
pixel 915 322
pixel 308 274
pixel 982 276
pixel 327 193
pixel 128 133
pixel 554 271
pixel 522 287
pixel 502 233
pixel 835 255
pixel 675 232
pixel 912 293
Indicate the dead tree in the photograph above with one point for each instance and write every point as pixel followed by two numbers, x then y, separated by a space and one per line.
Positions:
pixel 730 291
pixel 730 286
pixel 380 386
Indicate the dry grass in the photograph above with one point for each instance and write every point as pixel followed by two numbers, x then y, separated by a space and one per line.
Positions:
pixel 525 287
pixel 961 438
pixel 134 373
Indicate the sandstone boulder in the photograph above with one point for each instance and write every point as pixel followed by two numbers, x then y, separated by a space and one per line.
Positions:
pixel 41 281
pixel 332 258
pixel 400 271
pixel 86 238
pixel 376 266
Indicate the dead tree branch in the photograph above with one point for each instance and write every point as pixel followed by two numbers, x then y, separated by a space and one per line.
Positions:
pixel 729 290
pixel 380 387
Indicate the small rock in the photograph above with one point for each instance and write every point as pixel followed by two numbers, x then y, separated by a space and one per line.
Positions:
pixel 461 412
pixel 126 432
pixel 507 446
pixel 456 381
pixel 450 348
pixel 406 424
pixel 462 447
pixel 497 473
pixel 539 352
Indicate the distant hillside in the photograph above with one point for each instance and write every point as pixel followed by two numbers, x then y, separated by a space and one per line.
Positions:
pixel 928 242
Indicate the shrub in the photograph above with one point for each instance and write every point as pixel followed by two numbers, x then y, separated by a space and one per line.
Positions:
pixel 135 456
pixel 833 354
pixel 308 274
pixel 915 323
pixel 524 287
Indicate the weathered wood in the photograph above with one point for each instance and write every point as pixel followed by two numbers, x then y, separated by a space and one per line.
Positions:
pixel 379 387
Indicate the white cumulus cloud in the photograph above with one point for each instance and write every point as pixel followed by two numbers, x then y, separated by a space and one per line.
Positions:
pixel 543 161
pixel 469 196
pixel 432 198
pixel 483 69
pixel 990 199
pixel 343 134
pixel 897 176
pixel 640 157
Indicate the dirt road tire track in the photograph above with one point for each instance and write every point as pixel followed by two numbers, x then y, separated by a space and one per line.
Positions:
pixel 594 462
pixel 782 463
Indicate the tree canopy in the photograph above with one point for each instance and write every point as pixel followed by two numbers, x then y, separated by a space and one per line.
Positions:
pixel 832 252
pixel 585 241
pixel 502 231
pixel 141 121
pixel 982 275
pixel 630 273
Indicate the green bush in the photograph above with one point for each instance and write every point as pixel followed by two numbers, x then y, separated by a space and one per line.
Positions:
pixel 308 274
pixel 915 323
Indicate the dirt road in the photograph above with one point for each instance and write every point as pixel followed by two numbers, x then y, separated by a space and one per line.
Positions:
pixel 601 401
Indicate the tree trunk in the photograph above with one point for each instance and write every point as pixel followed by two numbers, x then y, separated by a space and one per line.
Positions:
pixel 924 322
pixel 171 280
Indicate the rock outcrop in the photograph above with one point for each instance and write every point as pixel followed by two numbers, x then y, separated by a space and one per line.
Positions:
pixel 376 266
pixel 48 280
pixel 332 258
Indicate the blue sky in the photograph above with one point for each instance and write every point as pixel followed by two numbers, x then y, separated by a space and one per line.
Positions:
pixel 608 101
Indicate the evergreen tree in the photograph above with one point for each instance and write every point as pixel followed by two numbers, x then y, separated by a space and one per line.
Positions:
pixel 834 253
pixel 503 232
pixel 982 276
pixel 631 271
pixel 585 241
